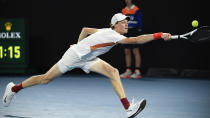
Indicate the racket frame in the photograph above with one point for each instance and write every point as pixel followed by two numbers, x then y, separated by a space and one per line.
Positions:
pixel 184 36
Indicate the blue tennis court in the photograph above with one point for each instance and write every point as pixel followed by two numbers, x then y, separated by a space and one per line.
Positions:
pixel 91 96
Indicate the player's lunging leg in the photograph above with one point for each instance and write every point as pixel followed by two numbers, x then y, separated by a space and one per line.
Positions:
pixel 12 89
pixel 112 73
pixel 42 79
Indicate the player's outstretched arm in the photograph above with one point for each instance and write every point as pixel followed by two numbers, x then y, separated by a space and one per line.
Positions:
pixel 85 32
pixel 145 38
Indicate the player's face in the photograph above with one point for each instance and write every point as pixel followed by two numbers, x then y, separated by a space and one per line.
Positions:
pixel 122 26
pixel 128 1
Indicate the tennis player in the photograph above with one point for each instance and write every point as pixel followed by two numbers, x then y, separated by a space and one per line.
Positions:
pixel 84 55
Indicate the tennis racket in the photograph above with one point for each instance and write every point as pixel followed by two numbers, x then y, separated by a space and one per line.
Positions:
pixel 201 34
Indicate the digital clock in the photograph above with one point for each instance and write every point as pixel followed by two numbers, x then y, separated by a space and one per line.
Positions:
pixel 13 46
pixel 11 52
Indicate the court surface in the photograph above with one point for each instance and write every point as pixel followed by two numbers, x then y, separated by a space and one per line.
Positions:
pixel 92 96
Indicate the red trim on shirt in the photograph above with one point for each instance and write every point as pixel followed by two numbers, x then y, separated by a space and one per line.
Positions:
pixel 101 45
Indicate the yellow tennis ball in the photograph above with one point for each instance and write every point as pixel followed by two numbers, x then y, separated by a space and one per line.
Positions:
pixel 195 23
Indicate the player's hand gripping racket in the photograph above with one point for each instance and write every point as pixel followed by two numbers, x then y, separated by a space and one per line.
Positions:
pixel 201 34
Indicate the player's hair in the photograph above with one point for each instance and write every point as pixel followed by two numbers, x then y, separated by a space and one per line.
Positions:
pixel 111 26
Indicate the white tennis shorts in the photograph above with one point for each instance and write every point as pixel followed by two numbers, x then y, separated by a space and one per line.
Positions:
pixel 71 60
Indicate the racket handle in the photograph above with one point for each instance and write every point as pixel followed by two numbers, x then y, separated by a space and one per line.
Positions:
pixel 175 37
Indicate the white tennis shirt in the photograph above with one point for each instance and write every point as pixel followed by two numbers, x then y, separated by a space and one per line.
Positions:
pixel 97 44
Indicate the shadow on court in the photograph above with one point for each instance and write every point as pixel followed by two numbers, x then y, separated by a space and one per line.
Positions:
pixel 11 116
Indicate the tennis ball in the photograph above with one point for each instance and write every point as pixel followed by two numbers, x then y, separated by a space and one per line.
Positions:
pixel 195 23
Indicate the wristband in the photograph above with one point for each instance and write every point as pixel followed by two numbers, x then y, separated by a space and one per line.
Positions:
pixel 157 35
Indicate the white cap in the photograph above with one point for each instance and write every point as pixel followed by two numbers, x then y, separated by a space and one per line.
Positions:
pixel 118 17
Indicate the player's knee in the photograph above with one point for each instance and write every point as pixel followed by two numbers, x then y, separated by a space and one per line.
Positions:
pixel 114 72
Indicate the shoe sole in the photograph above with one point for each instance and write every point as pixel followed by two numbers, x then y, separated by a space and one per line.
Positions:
pixel 142 106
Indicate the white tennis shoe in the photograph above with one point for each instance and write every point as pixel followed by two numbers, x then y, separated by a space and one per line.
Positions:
pixel 135 108
pixel 8 95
